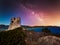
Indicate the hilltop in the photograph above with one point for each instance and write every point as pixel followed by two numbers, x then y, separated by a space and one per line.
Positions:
pixel 19 36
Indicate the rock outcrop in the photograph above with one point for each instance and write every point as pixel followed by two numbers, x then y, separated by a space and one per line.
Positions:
pixel 49 40
pixel 15 23
pixel 41 38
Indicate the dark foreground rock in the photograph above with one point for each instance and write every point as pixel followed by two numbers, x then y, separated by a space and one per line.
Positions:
pixel 36 38
pixel 26 37
pixel 48 40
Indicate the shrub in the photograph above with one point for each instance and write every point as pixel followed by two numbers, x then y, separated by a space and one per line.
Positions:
pixel 12 37
pixel 46 30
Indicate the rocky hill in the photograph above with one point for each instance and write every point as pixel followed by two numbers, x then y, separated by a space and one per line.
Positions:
pixel 12 37
pixel 41 38
pixel 28 37
pixel 48 40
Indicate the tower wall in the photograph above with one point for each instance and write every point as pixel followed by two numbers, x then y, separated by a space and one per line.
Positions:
pixel 15 23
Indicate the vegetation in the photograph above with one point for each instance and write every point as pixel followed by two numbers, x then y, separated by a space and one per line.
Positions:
pixel 12 37
pixel 46 30
pixel 17 36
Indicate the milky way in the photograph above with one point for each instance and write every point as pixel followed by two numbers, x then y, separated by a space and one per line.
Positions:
pixel 32 12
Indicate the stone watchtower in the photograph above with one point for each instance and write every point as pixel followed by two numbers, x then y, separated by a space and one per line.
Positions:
pixel 15 23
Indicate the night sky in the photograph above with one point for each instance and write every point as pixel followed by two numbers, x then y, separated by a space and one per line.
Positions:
pixel 32 12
